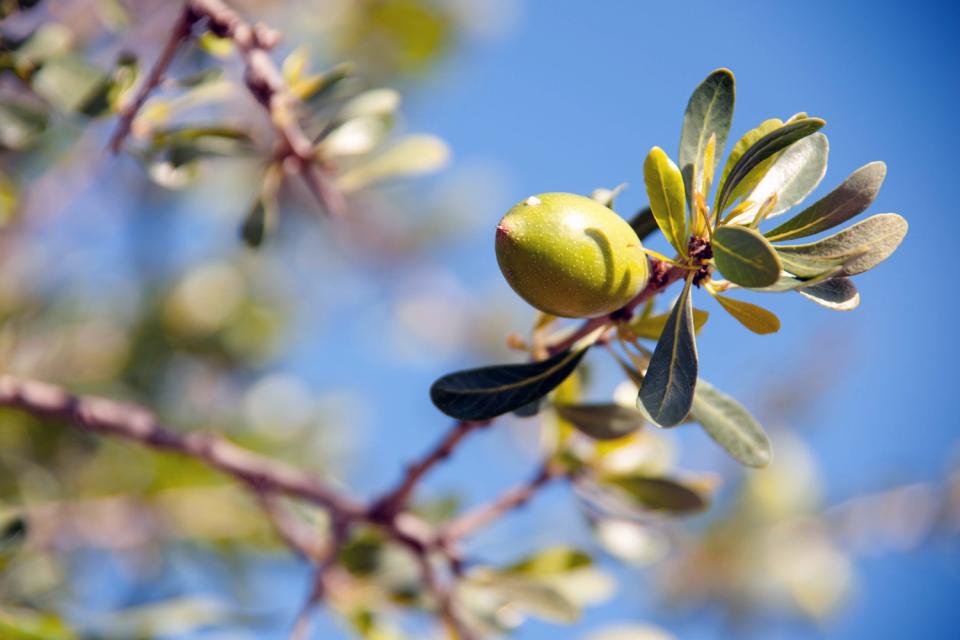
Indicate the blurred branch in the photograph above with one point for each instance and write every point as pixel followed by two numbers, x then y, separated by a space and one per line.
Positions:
pixel 262 78
pixel 132 422
pixel 514 498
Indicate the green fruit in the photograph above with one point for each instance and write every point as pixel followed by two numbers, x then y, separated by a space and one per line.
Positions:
pixel 570 256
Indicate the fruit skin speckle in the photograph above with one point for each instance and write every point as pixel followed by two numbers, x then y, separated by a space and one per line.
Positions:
pixel 570 256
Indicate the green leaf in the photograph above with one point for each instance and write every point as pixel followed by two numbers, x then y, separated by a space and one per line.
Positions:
pixel 730 426
pixel 744 143
pixel 667 389
pixel 643 223
pixel 487 392
pixel 851 198
pixel 601 421
pixel 792 176
pixel 861 246
pixel 659 494
pixel 839 294
pixel 770 144
pixel 709 112
pixel 21 121
pixel 745 257
pixel 666 193
pixel 809 266
pixel 788 282
pixel 549 562
pixel 259 223
pixel 531 595
pixel 411 156
pixel 70 84
pixel 753 317
pixel 651 327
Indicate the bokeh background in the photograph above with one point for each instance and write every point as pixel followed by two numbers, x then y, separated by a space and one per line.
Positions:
pixel 321 346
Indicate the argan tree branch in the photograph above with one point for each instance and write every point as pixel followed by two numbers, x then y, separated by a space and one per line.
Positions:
pixel 132 422
pixel 262 77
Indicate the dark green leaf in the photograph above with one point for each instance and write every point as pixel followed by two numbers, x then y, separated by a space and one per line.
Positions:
pixel 851 198
pixel 487 392
pixel 730 425
pixel 659 494
pixel 774 142
pixel 861 246
pixel 601 421
pixel 666 193
pixel 836 293
pixel 745 257
pixel 644 223
pixel 709 112
pixel 667 389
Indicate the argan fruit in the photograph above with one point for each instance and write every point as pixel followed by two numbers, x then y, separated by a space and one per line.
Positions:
pixel 570 256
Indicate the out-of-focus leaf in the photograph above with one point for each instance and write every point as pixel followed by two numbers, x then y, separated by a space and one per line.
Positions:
pixel 355 137
pixel 709 113
pixel 607 197
pixel 643 223
pixel 9 7
pixel 630 632
pixel 215 45
pixel 770 144
pixel 8 199
pixel 666 193
pixel 605 421
pixel 745 257
pixel 21 121
pixel 659 494
pixel 651 327
pixel 259 223
pixel 530 595
pixel 122 80
pixel 667 389
pixel 851 198
pixel 744 143
pixel 861 246
pixel 413 155
pixel 836 293
pixel 50 40
pixel 487 392
pixel 550 561
pixel 71 84
pixel 24 624
pixel 755 318
pixel 200 78
pixel 730 425
pixel 362 554
pixel 376 103
pixel 791 177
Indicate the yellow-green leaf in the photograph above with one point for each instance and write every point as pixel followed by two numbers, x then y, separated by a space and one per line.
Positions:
pixel 666 193
pixel 753 317
pixel 651 327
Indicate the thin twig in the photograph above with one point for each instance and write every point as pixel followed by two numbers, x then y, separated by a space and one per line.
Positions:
pixel 129 109
pixel 304 621
pixel 395 500
pixel 511 499
pixel 444 597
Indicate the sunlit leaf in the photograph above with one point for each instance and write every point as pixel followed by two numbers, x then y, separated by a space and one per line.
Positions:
pixel 836 293
pixel 851 198
pixel 862 246
pixel 21 121
pixel 379 103
pixel 9 197
pixel 659 494
pixel 607 197
pixel 745 257
pixel 730 425
pixel 606 421
pixel 550 561
pixel 651 327
pixel 709 113
pixel 487 392
pixel 770 144
pixel 792 176
pixel 354 137
pixel 753 317
pixel 666 193
pixel 630 632
pixel 413 155
pixel 667 389
pixel 744 143
pixel 530 595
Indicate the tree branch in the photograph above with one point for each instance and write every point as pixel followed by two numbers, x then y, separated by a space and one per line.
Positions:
pixel 510 500
pixel 132 422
